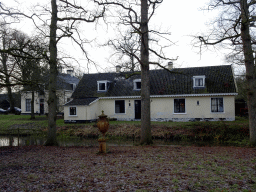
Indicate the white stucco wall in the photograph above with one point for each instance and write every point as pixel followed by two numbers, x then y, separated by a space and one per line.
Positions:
pixel 62 95
pixel 28 95
pixel 108 106
pixel 81 112
pixel 162 109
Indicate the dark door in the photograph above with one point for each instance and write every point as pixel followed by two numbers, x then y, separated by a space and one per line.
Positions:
pixel 137 109
pixel 41 106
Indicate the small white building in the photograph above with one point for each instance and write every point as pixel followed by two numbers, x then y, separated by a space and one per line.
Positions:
pixel 184 94
pixel 66 84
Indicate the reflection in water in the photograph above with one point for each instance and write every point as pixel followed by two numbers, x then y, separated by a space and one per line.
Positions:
pixel 66 142
pixel 76 141
pixel 8 141
pixel 30 140
pixel 20 141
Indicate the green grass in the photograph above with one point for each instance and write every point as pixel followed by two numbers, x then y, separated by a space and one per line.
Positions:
pixel 218 132
pixel 9 120
pixel 6 121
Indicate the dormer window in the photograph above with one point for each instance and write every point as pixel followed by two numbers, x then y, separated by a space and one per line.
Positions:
pixel 137 84
pixel 73 86
pixel 199 81
pixel 103 85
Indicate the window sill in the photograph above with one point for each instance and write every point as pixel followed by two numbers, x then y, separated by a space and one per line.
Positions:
pixel 199 87
pixel 72 115
pixel 179 113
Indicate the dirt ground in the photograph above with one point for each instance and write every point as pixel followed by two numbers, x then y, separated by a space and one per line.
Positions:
pixel 136 168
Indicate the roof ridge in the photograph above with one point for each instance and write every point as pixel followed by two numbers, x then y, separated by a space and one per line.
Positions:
pixel 113 72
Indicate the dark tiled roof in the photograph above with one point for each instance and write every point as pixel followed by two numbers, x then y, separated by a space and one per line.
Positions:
pixel 4 97
pixel 85 101
pixel 218 79
pixel 64 81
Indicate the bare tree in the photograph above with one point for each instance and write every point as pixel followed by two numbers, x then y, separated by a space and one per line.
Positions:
pixel 5 44
pixel 234 28
pixel 65 17
pixel 7 67
pixel 31 69
pixel 126 47
pixel 136 14
pixel 21 62
pixel 73 13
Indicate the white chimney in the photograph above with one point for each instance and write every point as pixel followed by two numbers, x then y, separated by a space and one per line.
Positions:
pixel 118 68
pixel 170 65
pixel 70 72
pixel 59 69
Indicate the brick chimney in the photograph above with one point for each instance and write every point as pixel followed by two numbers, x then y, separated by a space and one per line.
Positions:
pixel 170 65
pixel 70 72
pixel 118 68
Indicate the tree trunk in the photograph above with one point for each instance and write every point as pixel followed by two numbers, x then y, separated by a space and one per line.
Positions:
pixel 32 106
pixel 146 137
pixel 7 78
pixel 250 69
pixel 51 138
pixel 10 96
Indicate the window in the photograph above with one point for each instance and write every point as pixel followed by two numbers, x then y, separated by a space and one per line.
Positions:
pixel 119 106
pixel 72 111
pixel 198 81
pixel 137 84
pixel 28 104
pixel 73 86
pixel 41 89
pixel 103 85
pixel 179 105
pixel 217 105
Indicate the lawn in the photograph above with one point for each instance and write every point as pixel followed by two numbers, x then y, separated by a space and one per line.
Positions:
pixel 234 133
pixel 134 168
pixel 137 168
pixel 7 121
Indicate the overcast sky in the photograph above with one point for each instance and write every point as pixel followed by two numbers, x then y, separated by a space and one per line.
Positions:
pixel 183 19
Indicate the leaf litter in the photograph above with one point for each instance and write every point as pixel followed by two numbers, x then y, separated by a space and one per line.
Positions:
pixel 136 168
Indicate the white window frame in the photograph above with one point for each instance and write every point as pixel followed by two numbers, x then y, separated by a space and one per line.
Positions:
pixel 75 111
pixel 135 81
pixel 218 105
pixel 103 82
pixel 174 106
pixel 28 103
pixel 198 77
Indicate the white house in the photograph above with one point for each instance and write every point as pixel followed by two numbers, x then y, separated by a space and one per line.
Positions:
pixel 182 94
pixel 66 84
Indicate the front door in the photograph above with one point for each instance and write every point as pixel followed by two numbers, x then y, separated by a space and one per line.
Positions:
pixel 41 106
pixel 137 104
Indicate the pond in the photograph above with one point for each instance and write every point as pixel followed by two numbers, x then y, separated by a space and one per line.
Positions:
pixel 71 141
pixel 77 141
pixel 31 140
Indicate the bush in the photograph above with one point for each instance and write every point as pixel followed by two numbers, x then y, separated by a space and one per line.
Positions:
pixel 221 132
